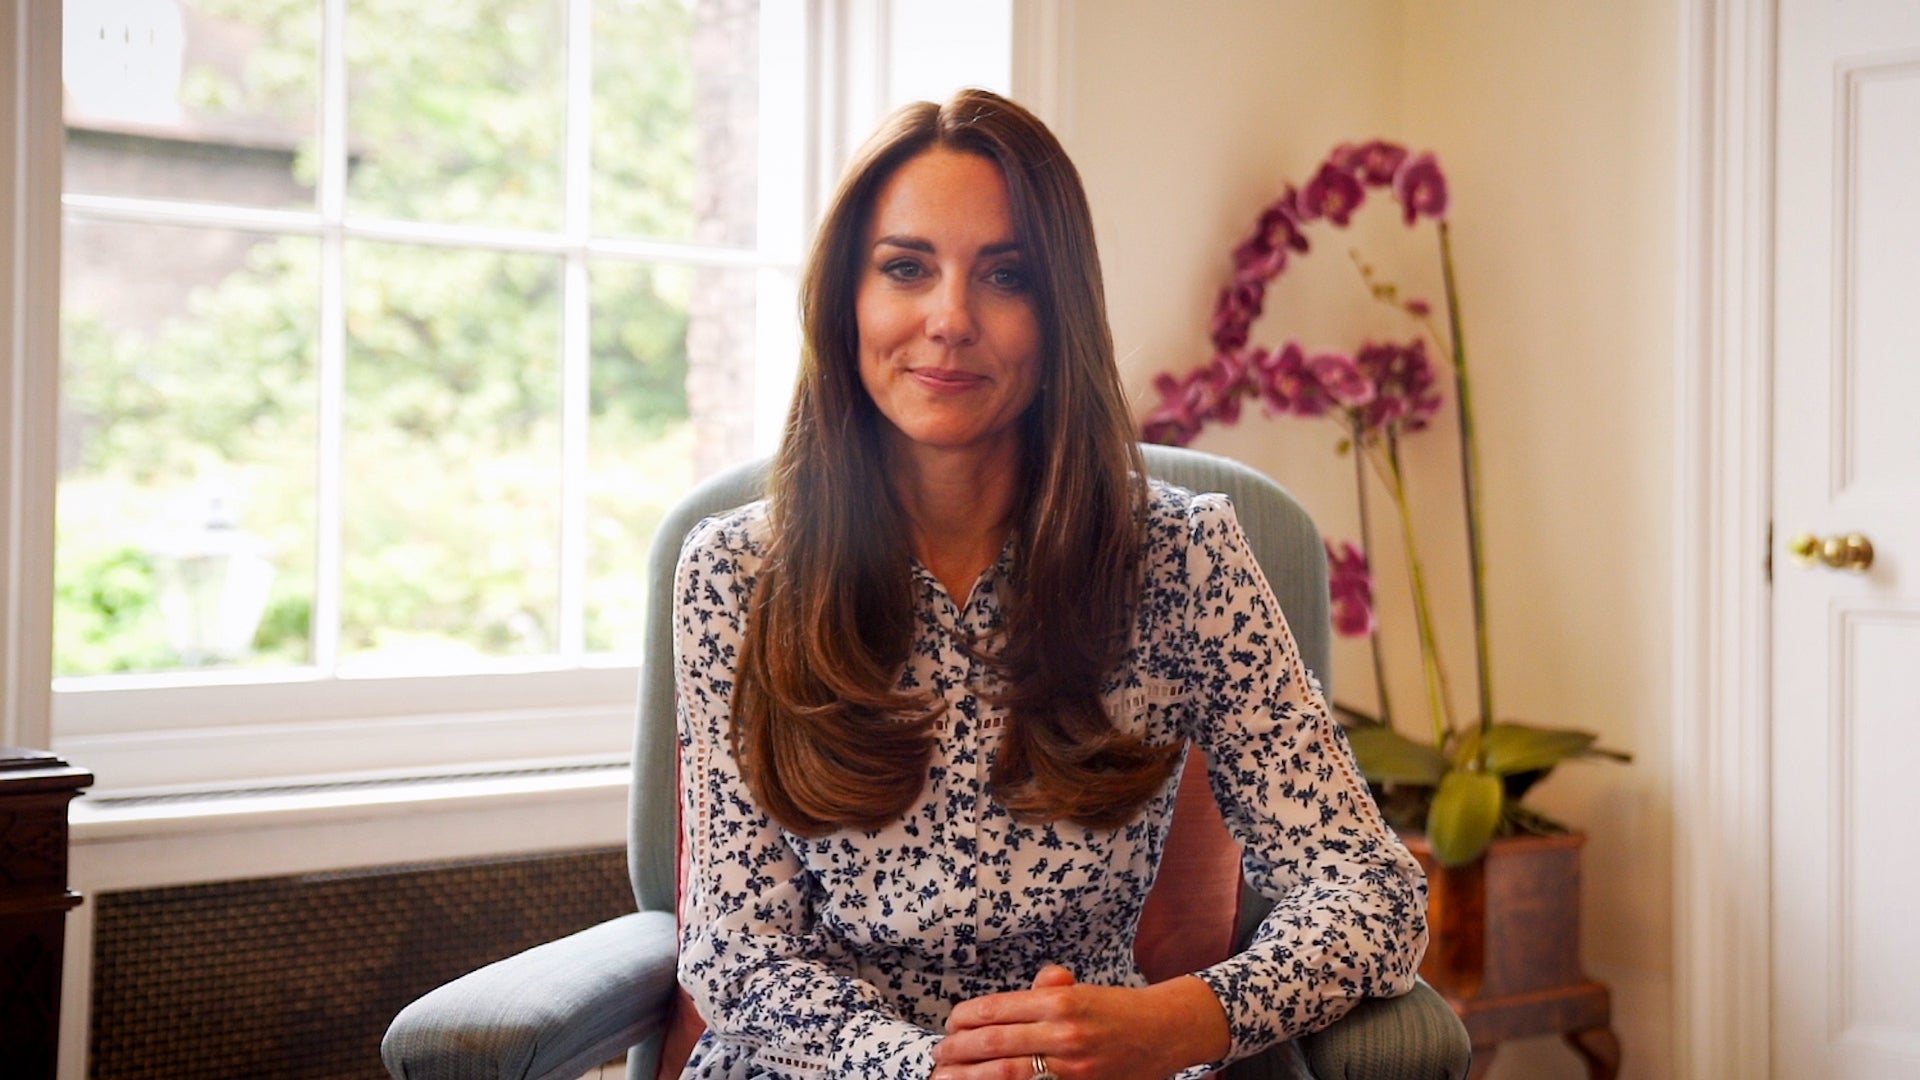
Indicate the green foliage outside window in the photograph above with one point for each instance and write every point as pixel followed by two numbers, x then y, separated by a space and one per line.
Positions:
pixel 451 426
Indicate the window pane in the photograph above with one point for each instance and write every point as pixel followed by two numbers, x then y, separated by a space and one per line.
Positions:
pixel 452 458
pixel 457 111
pixel 676 102
pixel 205 101
pixel 640 442
pixel 187 435
pixel 672 401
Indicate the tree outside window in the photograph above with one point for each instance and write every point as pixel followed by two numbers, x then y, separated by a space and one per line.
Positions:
pixel 442 332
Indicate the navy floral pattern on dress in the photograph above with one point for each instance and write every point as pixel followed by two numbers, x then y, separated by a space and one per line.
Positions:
pixel 841 956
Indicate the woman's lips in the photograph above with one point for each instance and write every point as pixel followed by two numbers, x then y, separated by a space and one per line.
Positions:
pixel 946 380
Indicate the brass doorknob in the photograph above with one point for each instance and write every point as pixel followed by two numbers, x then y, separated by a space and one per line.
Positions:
pixel 1850 552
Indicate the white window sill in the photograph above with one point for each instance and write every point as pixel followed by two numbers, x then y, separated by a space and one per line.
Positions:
pixel 122 842
pixel 140 735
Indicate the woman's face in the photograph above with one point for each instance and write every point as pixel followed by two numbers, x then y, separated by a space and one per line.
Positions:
pixel 949 339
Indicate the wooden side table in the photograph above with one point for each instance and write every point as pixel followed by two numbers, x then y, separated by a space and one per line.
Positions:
pixel 35 788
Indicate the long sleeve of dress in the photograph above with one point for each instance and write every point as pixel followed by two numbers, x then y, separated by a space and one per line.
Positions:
pixel 1349 919
pixel 775 991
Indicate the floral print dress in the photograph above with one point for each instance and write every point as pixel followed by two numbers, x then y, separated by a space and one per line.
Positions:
pixel 841 956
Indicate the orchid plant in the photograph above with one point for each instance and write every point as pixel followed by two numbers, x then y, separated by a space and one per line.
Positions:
pixel 1465 786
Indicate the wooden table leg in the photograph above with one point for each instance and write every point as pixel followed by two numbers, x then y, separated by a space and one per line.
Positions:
pixel 1600 1049
pixel 1482 1061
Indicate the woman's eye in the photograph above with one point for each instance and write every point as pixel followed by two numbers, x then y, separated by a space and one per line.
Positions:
pixel 902 269
pixel 1010 278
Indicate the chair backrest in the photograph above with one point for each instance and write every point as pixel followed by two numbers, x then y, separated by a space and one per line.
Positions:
pixel 653 803
pixel 1188 923
pixel 1177 934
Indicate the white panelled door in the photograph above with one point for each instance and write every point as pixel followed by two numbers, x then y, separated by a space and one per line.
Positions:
pixel 1846 642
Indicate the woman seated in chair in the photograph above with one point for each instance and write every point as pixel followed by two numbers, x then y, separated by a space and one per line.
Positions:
pixel 935 690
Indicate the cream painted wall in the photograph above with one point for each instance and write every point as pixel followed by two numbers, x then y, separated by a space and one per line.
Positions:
pixel 1556 121
pixel 1560 125
pixel 1184 121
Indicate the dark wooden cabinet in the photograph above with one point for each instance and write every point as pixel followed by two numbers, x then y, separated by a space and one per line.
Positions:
pixel 35 788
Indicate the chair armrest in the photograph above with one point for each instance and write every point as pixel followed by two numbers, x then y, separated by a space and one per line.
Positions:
pixel 1415 1036
pixel 550 1013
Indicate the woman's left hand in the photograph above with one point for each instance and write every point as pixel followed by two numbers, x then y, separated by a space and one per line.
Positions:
pixel 1084 1032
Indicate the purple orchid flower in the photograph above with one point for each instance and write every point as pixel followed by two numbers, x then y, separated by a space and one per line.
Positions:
pixel 1186 404
pixel 1342 380
pixel 1380 162
pixel 1404 381
pixel 1280 222
pixel 1258 260
pixel 1381 388
pixel 1421 189
pixel 1346 156
pixel 1232 373
pixel 1350 585
pixel 1226 384
pixel 1233 314
pixel 1171 423
pixel 1287 384
pixel 1373 163
pixel 1334 194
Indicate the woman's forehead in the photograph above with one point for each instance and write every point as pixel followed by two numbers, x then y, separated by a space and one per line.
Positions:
pixel 944 198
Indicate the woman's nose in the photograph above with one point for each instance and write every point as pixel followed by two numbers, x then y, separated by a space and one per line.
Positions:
pixel 950 322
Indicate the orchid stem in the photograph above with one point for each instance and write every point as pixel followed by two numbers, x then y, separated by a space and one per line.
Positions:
pixel 1366 545
pixel 1470 481
pixel 1439 698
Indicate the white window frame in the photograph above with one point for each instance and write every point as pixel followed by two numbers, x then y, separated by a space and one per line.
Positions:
pixel 140 732
pixel 30 140
pixel 203 730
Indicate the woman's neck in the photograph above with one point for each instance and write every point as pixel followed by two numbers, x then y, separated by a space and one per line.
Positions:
pixel 959 507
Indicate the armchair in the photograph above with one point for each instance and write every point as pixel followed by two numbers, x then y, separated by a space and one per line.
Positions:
pixel 557 1010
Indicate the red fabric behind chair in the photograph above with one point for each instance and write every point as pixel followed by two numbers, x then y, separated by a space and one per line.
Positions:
pixel 1193 912
pixel 686 1026
pixel 684 1030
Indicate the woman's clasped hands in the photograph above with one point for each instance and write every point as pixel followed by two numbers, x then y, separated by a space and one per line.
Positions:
pixel 1083 1032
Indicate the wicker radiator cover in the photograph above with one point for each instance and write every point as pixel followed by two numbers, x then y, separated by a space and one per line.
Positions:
pixel 296 977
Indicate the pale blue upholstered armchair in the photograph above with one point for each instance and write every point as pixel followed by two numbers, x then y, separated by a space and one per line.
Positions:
pixel 556 1011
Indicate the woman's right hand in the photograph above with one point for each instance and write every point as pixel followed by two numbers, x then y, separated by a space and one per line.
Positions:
pixel 1084 1032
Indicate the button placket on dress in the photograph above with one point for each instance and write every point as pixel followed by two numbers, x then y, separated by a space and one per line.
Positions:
pixel 953 679
pixel 978 681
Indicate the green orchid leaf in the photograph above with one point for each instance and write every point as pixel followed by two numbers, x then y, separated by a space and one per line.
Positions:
pixel 1387 757
pixel 1466 810
pixel 1516 748
pixel 1521 748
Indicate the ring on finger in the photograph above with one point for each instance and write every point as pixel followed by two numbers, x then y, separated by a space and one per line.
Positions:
pixel 1040 1069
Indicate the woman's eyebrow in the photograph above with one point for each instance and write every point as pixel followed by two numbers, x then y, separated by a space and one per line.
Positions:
pixel 914 243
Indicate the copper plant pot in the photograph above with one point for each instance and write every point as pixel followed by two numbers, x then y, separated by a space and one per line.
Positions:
pixel 1504 947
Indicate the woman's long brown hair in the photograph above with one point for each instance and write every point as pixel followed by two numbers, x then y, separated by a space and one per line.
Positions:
pixel 824 737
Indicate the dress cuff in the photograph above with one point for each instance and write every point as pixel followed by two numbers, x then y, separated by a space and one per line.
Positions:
pixel 1249 1030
